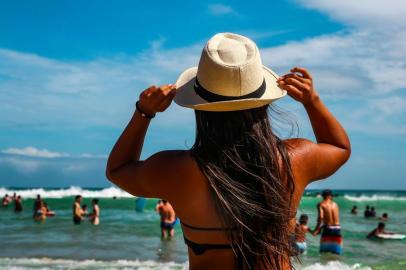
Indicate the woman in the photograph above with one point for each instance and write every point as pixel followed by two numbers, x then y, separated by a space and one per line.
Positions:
pixel 94 216
pixel 237 189
pixel 41 213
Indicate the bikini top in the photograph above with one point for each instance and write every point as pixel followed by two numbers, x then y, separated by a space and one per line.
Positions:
pixel 198 248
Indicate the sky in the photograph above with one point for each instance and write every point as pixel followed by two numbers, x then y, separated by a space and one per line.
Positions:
pixel 71 72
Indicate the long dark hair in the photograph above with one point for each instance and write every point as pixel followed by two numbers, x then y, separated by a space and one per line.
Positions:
pixel 251 181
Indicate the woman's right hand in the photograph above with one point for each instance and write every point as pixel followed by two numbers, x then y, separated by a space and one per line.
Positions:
pixel 299 85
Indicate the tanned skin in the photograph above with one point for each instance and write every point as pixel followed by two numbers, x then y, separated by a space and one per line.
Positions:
pixel 328 214
pixel 175 176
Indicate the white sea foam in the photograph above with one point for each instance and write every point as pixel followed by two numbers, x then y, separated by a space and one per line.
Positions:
pixel 47 263
pixel 68 192
pixel 335 265
pixel 365 198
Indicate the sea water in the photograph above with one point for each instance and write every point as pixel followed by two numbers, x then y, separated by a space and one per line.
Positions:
pixel 126 239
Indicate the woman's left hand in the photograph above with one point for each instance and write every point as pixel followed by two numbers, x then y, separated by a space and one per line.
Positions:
pixel 156 99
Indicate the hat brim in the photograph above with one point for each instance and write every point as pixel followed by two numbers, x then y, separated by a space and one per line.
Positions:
pixel 187 97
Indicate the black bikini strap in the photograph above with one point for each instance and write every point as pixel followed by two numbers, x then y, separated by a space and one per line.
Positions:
pixel 203 229
pixel 199 249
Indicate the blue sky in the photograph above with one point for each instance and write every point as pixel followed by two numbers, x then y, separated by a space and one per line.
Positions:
pixel 70 73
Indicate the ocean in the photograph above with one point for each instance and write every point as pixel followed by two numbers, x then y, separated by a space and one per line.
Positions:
pixel 126 239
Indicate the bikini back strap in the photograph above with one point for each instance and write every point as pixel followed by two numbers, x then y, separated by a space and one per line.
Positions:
pixel 204 228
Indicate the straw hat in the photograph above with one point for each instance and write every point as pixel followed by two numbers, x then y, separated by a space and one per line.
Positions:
pixel 230 77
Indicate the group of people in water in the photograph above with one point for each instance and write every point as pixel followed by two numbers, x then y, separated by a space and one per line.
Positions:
pixel 329 226
pixel 80 211
pixel 370 212
pixel 16 199
pixel 41 209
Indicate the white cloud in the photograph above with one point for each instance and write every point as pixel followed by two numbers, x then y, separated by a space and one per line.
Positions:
pixel 346 64
pixel 87 155
pixel 33 152
pixel 220 9
pixel 378 14
pixel 38 90
pixel 21 165
pixel 360 62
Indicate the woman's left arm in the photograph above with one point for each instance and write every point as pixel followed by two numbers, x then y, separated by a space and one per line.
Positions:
pixel 124 167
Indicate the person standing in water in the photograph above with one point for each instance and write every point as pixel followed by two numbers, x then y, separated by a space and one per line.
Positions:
pixel 238 188
pixel 41 213
pixel 77 210
pixel 37 204
pixel 328 224
pixel 94 216
pixel 18 204
pixel 6 200
pixel 367 212
pixel 168 218
pixel 300 234
pixel 354 210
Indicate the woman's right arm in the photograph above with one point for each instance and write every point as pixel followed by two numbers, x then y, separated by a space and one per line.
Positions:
pixel 319 160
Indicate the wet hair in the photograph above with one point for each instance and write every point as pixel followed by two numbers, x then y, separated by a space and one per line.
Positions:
pixel 381 225
pixel 326 193
pixel 385 215
pixel 367 207
pixel 303 219
pixel 372 208
pixel 164 201
pixel 18 197
pixel 78 197
pixel 251 182
pixel 84 206
pixel 95 201
pixel 354 207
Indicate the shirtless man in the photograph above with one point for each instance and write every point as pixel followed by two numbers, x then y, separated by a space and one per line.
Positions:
pixel 328 224
pixel 94 216
pixel 77 210
pixel 168 218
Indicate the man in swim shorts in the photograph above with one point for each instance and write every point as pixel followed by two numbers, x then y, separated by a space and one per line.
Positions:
pixel 168 218
pixel 77 210
pixel 328 224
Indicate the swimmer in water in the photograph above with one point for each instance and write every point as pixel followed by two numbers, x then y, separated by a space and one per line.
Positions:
pixel 378 230
pixel 5 201
pixel 41 214
pixel 354 210
pixel 18 204
pixel 77 210
pixel 373 212
pixel 94 216
pixel 384 217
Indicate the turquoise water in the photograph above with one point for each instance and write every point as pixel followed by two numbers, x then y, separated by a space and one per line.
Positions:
pixel 126 239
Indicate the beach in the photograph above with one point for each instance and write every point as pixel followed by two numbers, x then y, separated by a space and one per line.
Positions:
pixel 126 239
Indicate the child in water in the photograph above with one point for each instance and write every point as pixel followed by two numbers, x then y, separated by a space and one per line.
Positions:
pixel 300 234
